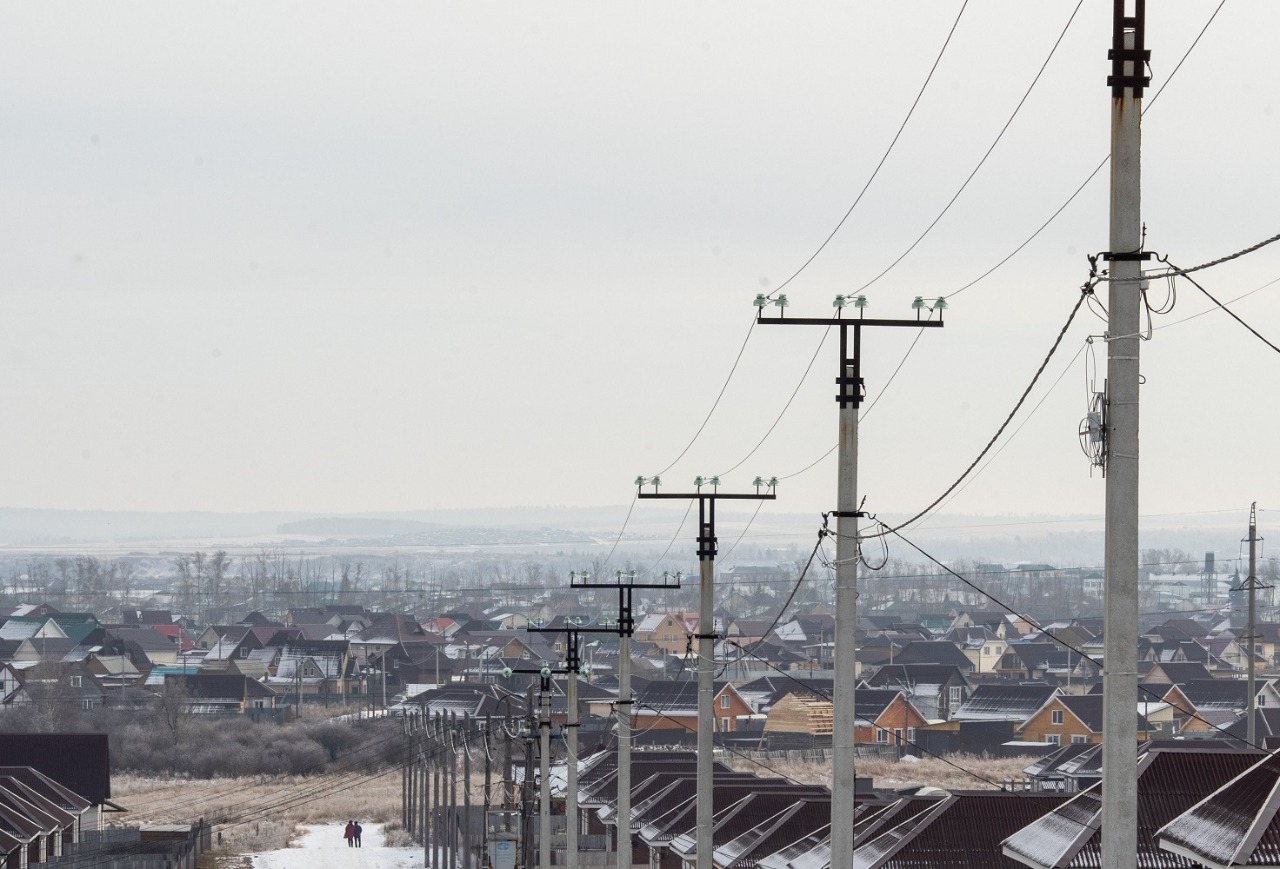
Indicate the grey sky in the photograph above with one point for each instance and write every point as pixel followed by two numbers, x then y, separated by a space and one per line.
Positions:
pixel 349 257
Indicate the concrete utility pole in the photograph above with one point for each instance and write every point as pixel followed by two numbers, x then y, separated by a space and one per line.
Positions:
pixel 1120 657
pixel 1251 586
pixel 849 397
pixel 706 639
pixel 626 584
pixel 544 770
pixel 572 665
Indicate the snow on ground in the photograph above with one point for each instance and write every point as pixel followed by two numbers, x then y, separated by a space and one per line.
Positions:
pixel 322 847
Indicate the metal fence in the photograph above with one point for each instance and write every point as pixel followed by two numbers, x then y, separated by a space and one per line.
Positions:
pixel 129 848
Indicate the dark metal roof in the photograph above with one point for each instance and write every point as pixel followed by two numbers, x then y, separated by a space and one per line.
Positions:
pixel 1170 781
pixel 1235 825
pixel 1004 702
pixel 79 762
pixel 963 831
pixel 933 652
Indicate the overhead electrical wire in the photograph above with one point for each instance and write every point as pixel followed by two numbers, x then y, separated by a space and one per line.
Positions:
pixel 985 156
pixel 825 695
pixel 674 538
pixel 1084 293
pixel 885 156
pixel 1230 313
pixel 1085 656
pixel 785 407
pixel 822 532
pixel 745 529
pixel 1096 169
pixel 874 401
pixel 621 531
pixel 1014 433
pixel 719 396
pixel 1269 283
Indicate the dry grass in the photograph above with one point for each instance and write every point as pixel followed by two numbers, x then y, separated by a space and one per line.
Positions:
pixel 259 814
pixel 957 772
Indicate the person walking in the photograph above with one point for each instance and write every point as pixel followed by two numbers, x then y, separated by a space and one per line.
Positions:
pixel 359 830
pixel 350 834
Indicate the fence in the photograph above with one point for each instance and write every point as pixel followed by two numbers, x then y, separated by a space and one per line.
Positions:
pixel 131 848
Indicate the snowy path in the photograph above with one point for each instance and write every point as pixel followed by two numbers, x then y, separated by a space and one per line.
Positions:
pixel 322 847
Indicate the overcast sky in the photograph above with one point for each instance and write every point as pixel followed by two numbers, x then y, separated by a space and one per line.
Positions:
pixel 364 257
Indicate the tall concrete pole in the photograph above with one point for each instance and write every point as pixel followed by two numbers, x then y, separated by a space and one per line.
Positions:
pixel 544 771
pixel 623 855
pixel 1251 733
pixel 706 692
pixel 844 720
pixel 1120 660
pixel 571 785
pixel 849 397
pixel 706 639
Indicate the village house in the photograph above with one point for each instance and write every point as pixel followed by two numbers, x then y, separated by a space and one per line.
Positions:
pixel 1072 719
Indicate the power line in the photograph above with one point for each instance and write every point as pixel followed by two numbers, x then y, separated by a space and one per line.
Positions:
pixel 1096 169
pixel 1084 656
pixel 715 403
pixel 785 407
pixel 1231 313
pixel 989 150
pixel 1020 427
pixel 1086 291
pixel 928 78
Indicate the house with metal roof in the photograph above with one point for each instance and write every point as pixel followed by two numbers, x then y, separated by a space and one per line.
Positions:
pixel 1235 825
pixel 963 830
pixel 1172 778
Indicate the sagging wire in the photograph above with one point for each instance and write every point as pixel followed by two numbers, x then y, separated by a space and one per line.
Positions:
pixel 719 396
pixel 1008 123
pixel 1096 169
pixel 1211 310
pixel 621 531
pixel 745 529
pixel 1229 312
pixel 653 570
pixel 883 157
pixel 822 533
pixel 884 548
pixel 874 401
pixel 1083 655
pixel 785 407
pixel 1085 292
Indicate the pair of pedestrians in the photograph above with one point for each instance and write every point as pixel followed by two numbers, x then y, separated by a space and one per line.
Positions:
pixel 352 834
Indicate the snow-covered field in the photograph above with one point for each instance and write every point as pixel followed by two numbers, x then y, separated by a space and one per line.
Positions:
pixel 322 847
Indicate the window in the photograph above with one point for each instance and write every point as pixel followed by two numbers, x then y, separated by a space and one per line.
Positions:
pixel 1078 738
pixel 882 736
pixel 957 694
pixel 76 681
pixel 986 650
pixel 1053 739
pixel 244 651
pixel 911 735
pixel 724 701
pixel 1056 717
pixel 1262 699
